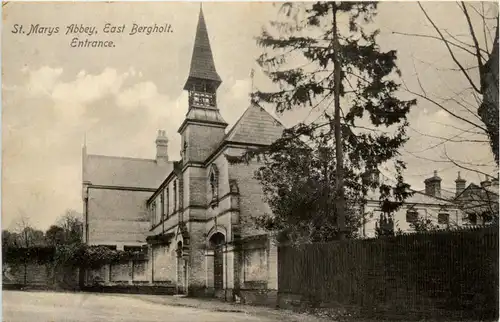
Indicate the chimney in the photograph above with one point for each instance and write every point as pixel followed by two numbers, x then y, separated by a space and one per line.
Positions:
pixel 433 185
pixel 459 185
pixel 161 147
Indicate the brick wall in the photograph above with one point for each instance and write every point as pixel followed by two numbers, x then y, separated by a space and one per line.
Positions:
pixel 196 186
pixel 117 217
pixel 251 197
pixel 202 141
pixel 120 272
pixel 40 275
pixel 164 263
pixel 197 268
pixel 140 272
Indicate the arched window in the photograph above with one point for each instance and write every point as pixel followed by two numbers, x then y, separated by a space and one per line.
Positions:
pixel 214 183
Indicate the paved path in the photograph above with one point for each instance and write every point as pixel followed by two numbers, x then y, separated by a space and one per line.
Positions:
pixel 86 307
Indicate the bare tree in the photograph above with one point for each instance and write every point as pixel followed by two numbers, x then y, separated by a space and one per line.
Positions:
pixel 475 107
pixel 71 223
pixel 27 237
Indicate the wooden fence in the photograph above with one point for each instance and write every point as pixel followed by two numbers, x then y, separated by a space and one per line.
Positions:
pixel 431 275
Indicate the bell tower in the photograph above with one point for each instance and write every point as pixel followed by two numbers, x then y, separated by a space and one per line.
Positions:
pixel 203 128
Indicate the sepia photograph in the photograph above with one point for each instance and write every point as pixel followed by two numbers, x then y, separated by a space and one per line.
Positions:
pixel 250 161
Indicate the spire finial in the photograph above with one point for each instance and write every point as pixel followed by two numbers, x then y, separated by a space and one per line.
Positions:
pixel 252 74
pixel 202 69
pixel 435 173
pixel 459 175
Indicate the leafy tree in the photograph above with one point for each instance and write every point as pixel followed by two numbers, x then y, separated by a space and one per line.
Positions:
pixel 55 235
pixel 318 54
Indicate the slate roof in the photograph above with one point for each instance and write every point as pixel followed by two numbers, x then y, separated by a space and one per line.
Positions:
pixel 417 198
pixel 124 172
pixel 445 194
pixel 206 115
pixel 255 126
pixel 202 61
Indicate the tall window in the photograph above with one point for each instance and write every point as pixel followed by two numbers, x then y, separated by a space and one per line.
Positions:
pixel 162 201
pixel 168 201
pixel 153 210
pixel 175 195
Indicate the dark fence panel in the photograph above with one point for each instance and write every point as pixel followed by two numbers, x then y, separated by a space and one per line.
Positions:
pixel 432 275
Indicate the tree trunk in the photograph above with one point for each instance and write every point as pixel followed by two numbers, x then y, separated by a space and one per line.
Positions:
pixel 340 202
pixel 488 111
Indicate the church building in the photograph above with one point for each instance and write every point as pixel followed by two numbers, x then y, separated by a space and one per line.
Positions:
pixel 194 214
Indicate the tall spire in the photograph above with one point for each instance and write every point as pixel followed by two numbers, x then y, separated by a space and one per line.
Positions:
pixel 202 61
pixel 202 82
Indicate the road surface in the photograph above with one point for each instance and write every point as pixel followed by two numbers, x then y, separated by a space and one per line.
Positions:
pixel 86 307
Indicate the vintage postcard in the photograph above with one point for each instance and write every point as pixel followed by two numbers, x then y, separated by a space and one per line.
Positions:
pixel 249 161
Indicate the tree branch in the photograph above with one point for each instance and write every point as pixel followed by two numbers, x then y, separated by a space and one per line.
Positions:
pixel 457 128
pixel 436 38
pixel 464 43
pixel 452 54
pixel 484 27
pixel 444 108
pixel 474 38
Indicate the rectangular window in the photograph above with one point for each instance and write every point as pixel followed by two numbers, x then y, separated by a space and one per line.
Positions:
pixel 487 218
pixel 443 219
pixel 472 219
pixel 132 248
pixel 255 265
pixel 411 216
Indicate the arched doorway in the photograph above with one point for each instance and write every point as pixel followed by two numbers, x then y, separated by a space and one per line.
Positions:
pixel 216 242
pixel 181 270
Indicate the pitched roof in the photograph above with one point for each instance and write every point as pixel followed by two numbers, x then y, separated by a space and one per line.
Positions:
pixel 418 197
pixel 202 61
pixel 124 172
pixel 423 198
pixel 255 126
pixel 445 194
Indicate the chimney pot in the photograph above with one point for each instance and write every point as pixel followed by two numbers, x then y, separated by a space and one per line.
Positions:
pixel 161 146
pixel 459 185
pixel 433 185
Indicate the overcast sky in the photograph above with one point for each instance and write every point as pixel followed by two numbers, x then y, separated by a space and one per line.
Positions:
pixel 53 94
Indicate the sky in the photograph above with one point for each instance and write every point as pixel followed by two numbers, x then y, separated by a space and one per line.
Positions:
pixel 54 96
